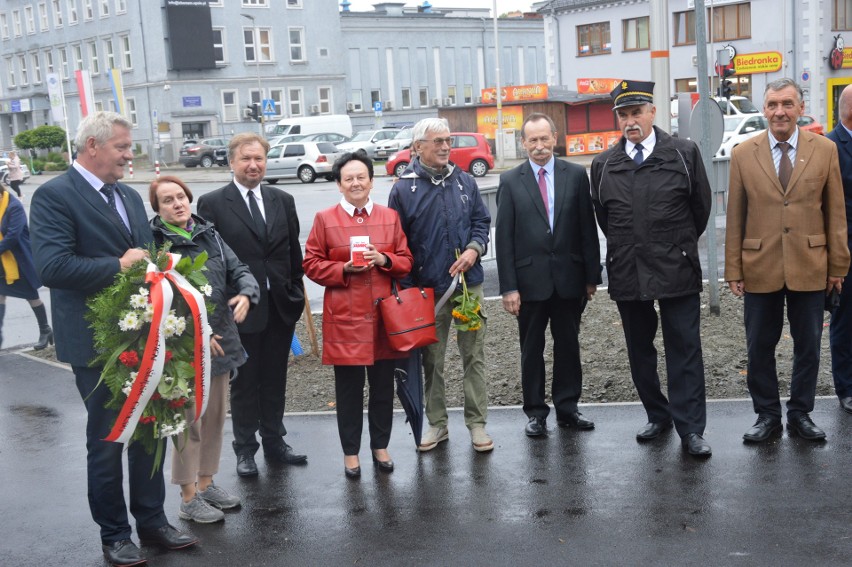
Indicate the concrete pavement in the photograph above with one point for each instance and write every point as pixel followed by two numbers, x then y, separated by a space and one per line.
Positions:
pixel 572 498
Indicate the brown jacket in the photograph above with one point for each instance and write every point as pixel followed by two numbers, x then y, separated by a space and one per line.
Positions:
pixel 794 239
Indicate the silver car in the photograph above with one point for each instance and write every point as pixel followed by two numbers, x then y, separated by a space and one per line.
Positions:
pixel 367 141
pixel 305 160
pixel 399 142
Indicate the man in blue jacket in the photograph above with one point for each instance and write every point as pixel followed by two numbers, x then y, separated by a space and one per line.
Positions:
pixel 442 213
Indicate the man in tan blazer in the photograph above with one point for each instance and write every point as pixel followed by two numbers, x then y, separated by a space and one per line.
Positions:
pixel 785 241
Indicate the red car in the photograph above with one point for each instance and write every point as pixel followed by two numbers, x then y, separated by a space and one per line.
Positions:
pixel 470 151
pixel 809 123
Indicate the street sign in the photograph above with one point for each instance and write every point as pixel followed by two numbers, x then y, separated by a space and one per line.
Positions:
pixel 717 122
pixel 268 107
pixel 806 77
pixel 191 101
pixel 377 106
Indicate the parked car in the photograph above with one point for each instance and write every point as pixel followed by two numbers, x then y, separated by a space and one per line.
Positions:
pixel 332 137
pixel 738 129
pixel 221 156
pixel 305 160
pixel 469 151
pixel 202 153
pixel 399 142
pixel 367 141
pixel 809 123
pixel 4 171
pixel 278 140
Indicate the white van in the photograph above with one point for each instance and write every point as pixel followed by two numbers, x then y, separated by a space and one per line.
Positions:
pixel 337 123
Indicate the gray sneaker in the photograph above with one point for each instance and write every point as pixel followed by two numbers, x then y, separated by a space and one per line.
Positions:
pixel 219 497
pixel 198 510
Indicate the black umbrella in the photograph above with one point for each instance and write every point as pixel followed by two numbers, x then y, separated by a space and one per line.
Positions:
pixel 409 390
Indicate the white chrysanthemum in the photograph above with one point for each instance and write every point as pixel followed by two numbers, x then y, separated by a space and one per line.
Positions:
pixel 138 301
pixel 167 379
pixel 166 430
pixel 143 291
pixel 207 290
pixel 169 331
pixel 133 376
pixel 127 387
pixel 148 315
pixel 180 326
pixel 130 322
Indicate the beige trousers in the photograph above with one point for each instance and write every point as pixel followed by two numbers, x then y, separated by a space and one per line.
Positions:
pixel 198 451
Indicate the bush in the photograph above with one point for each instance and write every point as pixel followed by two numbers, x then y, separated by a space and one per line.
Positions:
pixel 54 166
pixel 55 157
pixel 37 165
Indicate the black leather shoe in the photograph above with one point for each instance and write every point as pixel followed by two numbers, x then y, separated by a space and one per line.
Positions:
pixel 575 419
pixel 652 430
pixel 246 465
pixel 762 429
pixel 284 454
pixel 846 404
pixel 123 553
pixel 804 427
pixel 353 472
pixel 694 444
pixel 167 536
pixel 536 427
pixel 385 466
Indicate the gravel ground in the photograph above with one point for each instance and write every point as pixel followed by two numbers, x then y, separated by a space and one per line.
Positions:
pixel 606 373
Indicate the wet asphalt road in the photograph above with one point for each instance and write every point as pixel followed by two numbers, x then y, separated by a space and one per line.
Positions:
pixel 573 498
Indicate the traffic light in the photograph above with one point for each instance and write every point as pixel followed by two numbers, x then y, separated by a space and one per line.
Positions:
pixel 725 89
pixel 254 111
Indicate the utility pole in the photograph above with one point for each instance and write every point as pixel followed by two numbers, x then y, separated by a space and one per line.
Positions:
pixel 256 34
pixel 659 28
pixel 498 133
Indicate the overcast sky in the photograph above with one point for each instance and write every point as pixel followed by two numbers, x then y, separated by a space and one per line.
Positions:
pixel 502 5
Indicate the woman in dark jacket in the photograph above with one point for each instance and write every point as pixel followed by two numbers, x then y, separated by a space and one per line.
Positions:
pixel 18 277
pixel 353 338
pixel 197 458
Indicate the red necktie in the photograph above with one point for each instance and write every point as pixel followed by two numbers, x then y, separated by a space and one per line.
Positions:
pixel 542 187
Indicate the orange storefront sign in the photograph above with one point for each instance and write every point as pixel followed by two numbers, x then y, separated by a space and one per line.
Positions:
pixel 596 86
pixel 516 94
pixel 486 119
pixel 763 62
pixel 847 58
pixel 594 143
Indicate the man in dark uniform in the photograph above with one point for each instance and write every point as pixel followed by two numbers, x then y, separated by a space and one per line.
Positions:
pixel 652 201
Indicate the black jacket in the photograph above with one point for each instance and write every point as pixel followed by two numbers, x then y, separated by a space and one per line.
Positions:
pixel 225 274
pixel 652 216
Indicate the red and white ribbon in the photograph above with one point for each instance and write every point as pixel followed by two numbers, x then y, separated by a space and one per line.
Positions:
pixel 154 357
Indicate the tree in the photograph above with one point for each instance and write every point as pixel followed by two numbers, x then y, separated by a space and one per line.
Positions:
pixel 43 138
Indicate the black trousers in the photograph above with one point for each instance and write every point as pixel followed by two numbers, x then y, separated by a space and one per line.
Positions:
pixel 349 392
pixel 840 339
pixel 564 318
pixel 764 320
pixel 259 390
pixel 680 317
pixel 16 186
pixel 104 468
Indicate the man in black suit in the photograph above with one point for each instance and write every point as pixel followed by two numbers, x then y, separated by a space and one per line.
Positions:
pixel 86 228
pixel 259 223
pixel 548 261
pixel 840 336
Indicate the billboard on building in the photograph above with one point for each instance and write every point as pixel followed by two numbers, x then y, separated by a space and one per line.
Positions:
pixel 486 119
pixel 190 38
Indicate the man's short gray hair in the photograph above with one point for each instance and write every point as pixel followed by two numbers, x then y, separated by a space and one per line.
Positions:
pixel 418 133
pixel 780 84
pixel 99 125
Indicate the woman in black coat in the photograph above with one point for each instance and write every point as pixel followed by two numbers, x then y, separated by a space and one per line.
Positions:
pixel 18 276
pixel 197 458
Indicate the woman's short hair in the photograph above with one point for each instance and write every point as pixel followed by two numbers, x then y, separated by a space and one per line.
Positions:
pixel 358 155
pixel 152 190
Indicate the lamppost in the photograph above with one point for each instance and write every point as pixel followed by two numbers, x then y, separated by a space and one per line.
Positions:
pixel 498 134
pixel 256 42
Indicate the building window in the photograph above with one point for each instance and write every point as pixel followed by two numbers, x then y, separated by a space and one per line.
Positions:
pixel 277 96
pixel 636 34
pixel 324 100
pixel 230 109
pixel 104 8
pixel 25 76
pixel 36 69
pixel 294 3
pixel 217 3
pixel 841 15
pixel 16 23
pixel 323 52
pixel 593 39
pixel 406 98
pixel 29 17
pixel 451 94
pixel 10 77
pixel 126 59
pixel 356 99
pixel 72 12
pixel 468 94
pixel 94 64
pixel 732 22
pixel 4 26
pixel 77 51
pixel 43 20
pixel 424 97
pixel 109 53
pixel 256 3
pixel 295 102
pixel 257 47
pixel 57 14
pixel 297 47
pixel 99 106
pixel 130 109
pixel 684 28
pixel 48 62
pixel 219 46
pixel 88 9
pixel 375 96
pixel 63 62
pixel 120 6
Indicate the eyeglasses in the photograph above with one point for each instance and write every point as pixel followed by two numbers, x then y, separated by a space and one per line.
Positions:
pixel 440 141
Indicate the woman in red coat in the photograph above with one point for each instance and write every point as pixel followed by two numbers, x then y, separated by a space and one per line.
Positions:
pixel 353 336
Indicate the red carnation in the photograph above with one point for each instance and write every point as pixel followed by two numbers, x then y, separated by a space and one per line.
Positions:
pixel 178 403
pixel 168 355
pixel 129 358
pixel 156 396
pixel 146 419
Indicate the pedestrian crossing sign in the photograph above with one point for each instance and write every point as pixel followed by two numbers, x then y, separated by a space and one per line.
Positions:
pixel 268 106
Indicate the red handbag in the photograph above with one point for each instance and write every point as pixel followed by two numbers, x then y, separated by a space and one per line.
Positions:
pixel 409 317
